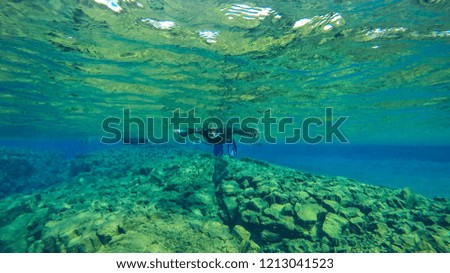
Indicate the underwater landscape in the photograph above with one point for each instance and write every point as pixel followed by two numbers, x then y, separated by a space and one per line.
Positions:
pixel 122 200
pixel 170 126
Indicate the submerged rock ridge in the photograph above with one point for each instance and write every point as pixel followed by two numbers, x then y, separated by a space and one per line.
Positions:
pixel 23 171
pixel 171 199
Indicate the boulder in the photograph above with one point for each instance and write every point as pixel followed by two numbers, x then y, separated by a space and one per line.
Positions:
pixel 216 229
pixel 308 213
pixel 288 209
pixel 331 206
pixel 230 188
pixel 243 236
pixel 231 205
pixel 350 212
pixel 257 204
pixel 334 225
pixel 250 217
pixel 271 237
pixel 107 231
pixel 274 211
pixel 276 197
pixel 409 197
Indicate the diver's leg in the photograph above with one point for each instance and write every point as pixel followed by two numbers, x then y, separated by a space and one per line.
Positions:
pixel 218 149
pixel 232 149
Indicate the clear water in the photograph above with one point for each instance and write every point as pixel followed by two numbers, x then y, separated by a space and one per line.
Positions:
pixel 68 65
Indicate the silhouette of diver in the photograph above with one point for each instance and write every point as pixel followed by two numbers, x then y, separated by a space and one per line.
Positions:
pixel 219 136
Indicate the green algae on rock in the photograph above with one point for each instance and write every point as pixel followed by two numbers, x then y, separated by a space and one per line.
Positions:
pixel 166 199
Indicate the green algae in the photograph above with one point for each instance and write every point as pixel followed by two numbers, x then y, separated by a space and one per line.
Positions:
pixel 164 199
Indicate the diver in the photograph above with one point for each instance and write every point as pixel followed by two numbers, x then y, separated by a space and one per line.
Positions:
pixel 220 136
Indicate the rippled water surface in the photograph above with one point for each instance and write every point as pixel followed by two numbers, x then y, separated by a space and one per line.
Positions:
pixel 66 65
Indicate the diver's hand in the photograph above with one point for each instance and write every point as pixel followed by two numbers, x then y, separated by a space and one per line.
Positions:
pixel 182 133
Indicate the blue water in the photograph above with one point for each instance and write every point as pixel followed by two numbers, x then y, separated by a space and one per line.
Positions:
pixel 425 169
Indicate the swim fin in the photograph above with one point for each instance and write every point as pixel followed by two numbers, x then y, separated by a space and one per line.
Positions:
pixel 232 149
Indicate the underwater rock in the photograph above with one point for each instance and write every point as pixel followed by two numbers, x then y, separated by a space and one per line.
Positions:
pixel 216 229
pixel 379 229
pixel 300 246
pixel 266 187
pixel 24 171
pixel 423 246
pixel 440 244
pixel 16 167
pixel 157 177
pixel 249 193
pixel 409 240
pixel 409 197
pixel 251 247
pixel 257 204
pixel 334 225
pixel 270 237
pixel 109 230
pixel 286 224
pixel 231 207
pixel 15 210
pixel 80 165
pixel 351 212
pixel 308 214
pixel 200 199
pixel 243 236
pixel 72 234
pixel 84 244
pixel 276 197
pixel 331 206
pixel 13 237
pixel 241 233
pixel 302 196
pixel 220 171
pixel 253 207
pixel 230 188
pixel 403 228
pixel 140 242
pixel 357 225
pixel 274 211
pixel 249 217
pixel 287 209
pixel 446 221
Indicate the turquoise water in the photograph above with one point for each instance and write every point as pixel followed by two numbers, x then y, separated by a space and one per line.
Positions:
pixel 66 66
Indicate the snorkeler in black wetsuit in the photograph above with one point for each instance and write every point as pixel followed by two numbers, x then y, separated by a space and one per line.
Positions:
pixel 219 136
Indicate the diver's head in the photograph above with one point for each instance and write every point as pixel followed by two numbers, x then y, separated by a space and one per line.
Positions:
pixel 213 130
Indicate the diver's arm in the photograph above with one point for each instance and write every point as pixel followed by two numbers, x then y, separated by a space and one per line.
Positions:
pixel 187 132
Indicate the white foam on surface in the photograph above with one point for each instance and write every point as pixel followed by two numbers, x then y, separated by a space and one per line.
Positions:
pixel 164 25
pixel 385 33
pixel 301 23
pixel 209 35
pixel 248 12
pixel 327 27
pixel 325 22
pixel 111 4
